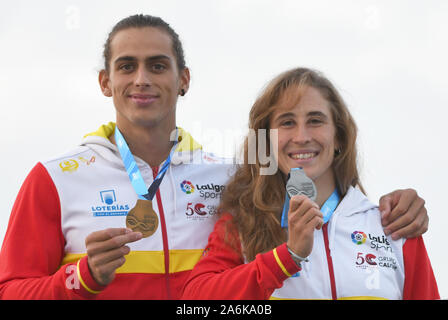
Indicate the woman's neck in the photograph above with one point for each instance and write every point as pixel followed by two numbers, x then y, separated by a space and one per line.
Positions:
pixel 325 186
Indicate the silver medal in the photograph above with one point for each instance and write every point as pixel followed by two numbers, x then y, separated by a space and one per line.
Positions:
pixel 300 183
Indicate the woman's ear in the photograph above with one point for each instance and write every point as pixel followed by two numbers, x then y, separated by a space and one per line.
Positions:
pixel 337 148
pixel 103 79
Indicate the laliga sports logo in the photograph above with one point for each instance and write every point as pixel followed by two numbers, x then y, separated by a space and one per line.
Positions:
pixel 359 237
pixel 187 187
pixel 375 242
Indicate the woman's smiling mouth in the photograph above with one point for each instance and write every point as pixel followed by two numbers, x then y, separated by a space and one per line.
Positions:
pixel 303 155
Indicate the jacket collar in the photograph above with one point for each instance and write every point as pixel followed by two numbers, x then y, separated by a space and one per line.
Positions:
pixel 185 148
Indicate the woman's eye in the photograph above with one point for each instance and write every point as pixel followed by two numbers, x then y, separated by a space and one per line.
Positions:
pixel 315 121
pixel 287 123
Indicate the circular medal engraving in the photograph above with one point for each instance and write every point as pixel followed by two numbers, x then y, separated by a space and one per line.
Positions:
pixel 142 218
pixel 300 183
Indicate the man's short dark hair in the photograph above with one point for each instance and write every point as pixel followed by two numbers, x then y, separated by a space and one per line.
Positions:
pixel 141 21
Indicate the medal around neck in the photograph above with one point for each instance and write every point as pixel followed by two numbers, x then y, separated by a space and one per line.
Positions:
pixel 142 218
pixel 300 183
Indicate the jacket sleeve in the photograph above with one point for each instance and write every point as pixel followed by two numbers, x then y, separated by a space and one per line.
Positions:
pixel 222 273
pixel 419 281
pixel 33 247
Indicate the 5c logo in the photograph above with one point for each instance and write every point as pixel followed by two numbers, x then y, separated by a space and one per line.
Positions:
pixel 369 258
pixel 197 209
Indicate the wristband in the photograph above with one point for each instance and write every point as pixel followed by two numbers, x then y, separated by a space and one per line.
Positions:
pixel 297 259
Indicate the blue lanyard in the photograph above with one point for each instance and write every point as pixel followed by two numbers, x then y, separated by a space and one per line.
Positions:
pixel 327 209
pixel 134 173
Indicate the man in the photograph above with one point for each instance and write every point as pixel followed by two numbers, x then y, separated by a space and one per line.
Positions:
pixel 67 236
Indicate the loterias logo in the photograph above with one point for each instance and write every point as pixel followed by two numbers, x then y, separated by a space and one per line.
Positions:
pixel 206 191
pixel 109 205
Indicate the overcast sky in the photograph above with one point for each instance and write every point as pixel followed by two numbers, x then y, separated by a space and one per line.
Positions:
pixel 387 58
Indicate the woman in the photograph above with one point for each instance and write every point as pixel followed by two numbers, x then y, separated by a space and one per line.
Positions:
pixel 250 255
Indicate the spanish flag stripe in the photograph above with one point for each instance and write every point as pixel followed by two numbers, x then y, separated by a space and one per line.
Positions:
pixel 150 261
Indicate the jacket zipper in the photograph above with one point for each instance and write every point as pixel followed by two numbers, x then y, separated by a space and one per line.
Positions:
pixel 329 262
pixel 166 249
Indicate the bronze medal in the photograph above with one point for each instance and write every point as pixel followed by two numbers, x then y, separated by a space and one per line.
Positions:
pixel 142 218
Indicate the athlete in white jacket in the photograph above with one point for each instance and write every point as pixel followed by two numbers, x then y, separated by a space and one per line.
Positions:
pixel 352 258
pixel 67 236
pixel 328 241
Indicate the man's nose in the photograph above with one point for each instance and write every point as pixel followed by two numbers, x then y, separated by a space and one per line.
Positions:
pixel 143 78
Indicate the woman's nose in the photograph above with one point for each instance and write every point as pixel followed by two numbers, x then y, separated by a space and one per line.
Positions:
pixel 301 135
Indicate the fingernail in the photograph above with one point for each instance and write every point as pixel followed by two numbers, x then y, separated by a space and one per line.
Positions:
pixel 386 232
pixel 395 237
pixel 138 235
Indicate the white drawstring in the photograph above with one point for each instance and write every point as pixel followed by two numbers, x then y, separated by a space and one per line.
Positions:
pixel 173 185
pixel 332 231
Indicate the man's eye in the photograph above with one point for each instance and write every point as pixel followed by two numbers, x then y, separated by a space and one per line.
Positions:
pixel 158 67
pixel 127 67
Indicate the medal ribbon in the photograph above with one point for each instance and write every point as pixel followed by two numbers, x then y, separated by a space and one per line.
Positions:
pixel 327 209
pixel 134 173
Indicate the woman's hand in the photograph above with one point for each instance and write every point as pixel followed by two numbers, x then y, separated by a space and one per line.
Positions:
pixel 304 217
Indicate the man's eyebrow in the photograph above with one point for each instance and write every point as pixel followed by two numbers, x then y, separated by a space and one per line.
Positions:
pixel 149 59
pixel 124 58
pixel 158 57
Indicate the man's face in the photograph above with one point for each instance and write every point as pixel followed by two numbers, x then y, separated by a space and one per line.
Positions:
pixel 143 78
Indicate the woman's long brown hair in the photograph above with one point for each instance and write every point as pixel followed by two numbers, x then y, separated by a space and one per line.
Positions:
pixel 256 200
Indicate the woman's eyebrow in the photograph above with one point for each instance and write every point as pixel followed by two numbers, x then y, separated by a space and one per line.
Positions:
pixel 317 114
pixel 284 115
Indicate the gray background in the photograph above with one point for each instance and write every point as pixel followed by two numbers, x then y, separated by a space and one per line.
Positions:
pixel 388 58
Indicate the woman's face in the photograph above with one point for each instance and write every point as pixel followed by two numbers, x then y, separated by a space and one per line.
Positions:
pixel 306 135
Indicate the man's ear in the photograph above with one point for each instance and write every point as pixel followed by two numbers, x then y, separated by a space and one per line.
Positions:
pixel 185 79
pixel 103 79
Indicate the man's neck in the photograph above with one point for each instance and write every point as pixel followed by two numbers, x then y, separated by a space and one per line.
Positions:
pixel 152 145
